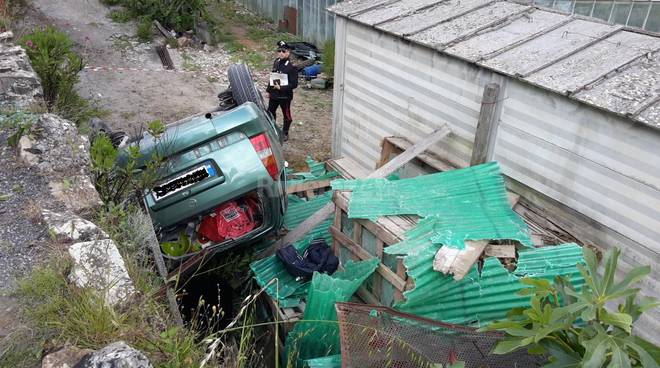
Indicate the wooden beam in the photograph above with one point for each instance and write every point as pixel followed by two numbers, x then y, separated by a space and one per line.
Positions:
pixel 386 150
pixel 362 254
pixel 323 213
pixel 411 152
pixel 486 125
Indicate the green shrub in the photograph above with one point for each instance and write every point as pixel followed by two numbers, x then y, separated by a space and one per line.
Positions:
pixel 52 58
pixel 329 58
pixel 111 2
pixel 144 29
pixel 120 15
pixel 57 65
pixel 575 328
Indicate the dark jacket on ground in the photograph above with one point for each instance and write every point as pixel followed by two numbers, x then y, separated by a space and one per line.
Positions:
pixel 284 66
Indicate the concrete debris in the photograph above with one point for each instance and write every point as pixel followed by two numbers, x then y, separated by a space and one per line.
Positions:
pixel 116 355
pixel 98 265
pixel 66 357
pixel 19 84
pixel 71 227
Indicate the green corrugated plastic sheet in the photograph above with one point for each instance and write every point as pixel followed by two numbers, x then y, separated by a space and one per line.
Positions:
pixel 479 299
pixel 287 290
pixel 320 336
pixel 333 361
pixel 317 171
pixel 457 205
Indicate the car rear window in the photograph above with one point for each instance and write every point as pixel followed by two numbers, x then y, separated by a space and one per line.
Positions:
pixel 182 160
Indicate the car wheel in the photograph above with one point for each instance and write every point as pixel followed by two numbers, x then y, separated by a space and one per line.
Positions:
pixel 242 86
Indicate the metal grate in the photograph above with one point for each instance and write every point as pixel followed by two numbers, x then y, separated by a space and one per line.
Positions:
pixel 164 56
pixel 376 337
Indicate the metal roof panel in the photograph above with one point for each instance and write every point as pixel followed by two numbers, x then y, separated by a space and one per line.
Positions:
pixel 431 16
pixel 595 61
pixel 390 11
pixel 548 47
pixel 629 90
pixel 497 38
pixel 446 32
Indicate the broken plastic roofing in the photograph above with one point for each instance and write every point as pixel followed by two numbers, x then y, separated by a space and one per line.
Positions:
pixel 587 60
pixel 317 171
pixel 315 339
pixel 458 205
pixel 287 290
pixel 480 297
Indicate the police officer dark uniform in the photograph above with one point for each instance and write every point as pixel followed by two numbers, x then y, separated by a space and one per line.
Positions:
pixel 283 80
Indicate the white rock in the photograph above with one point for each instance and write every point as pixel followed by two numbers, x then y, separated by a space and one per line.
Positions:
pixel 23 147
pixel 71 227
pixel 116 355
pixel 98 265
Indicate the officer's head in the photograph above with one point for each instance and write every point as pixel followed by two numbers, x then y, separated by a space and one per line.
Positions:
pixel 283 49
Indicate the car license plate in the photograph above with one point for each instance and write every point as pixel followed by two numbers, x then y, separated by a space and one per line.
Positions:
pixel 183 181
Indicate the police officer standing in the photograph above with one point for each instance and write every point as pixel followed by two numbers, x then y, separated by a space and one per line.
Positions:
pixel 283 80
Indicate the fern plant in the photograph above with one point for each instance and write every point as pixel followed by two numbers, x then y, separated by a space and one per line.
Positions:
pixel 574 327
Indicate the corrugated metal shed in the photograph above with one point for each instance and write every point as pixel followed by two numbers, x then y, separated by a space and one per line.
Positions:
pixel 567 54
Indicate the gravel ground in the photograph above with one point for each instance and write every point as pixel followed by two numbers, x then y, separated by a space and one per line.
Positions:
pixel 22 233
pixel 136 97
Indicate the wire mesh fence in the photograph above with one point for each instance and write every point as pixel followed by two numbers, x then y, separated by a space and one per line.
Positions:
pixel 375 337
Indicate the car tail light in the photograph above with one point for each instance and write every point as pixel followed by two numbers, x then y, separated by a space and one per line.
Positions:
pixel 261 144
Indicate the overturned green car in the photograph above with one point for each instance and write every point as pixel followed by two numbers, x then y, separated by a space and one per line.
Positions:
pixel 221 182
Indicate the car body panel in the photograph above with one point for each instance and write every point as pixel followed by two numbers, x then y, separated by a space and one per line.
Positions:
pixel 222 144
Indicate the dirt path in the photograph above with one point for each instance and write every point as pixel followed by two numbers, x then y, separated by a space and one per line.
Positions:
pixel 137 97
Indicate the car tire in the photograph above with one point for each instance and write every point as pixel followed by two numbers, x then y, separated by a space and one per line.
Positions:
pixel 242 86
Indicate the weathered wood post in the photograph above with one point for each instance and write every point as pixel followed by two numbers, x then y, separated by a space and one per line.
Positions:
pixel 486 125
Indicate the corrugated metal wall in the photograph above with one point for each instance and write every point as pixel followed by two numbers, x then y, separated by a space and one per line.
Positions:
pixel 602 166
pixel 392 87
pixel 315 24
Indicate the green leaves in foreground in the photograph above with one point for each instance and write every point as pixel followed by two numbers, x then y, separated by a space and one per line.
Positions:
pixel 573 327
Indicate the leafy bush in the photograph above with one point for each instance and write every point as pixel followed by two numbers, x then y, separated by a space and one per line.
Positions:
pixel 53 59
pixel 182 15
pixel 574 327
pixel 121 182
pixel 144 29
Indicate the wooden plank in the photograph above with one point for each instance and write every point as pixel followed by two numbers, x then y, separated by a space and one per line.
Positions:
pixel 487 123
pixel 316 184
pixel 362 254
pixel 381 233
pixel 458 262
pixel 401 272
pixel 412 152
pixel 500 250
pixel 302 229
pixel 368 297
pixel 357 232
pixel 336 223
pixel 387 148
pixel 426 157
pixel 382 172
pixel 309 193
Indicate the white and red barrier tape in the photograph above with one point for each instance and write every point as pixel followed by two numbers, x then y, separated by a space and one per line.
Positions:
pixel 92 68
